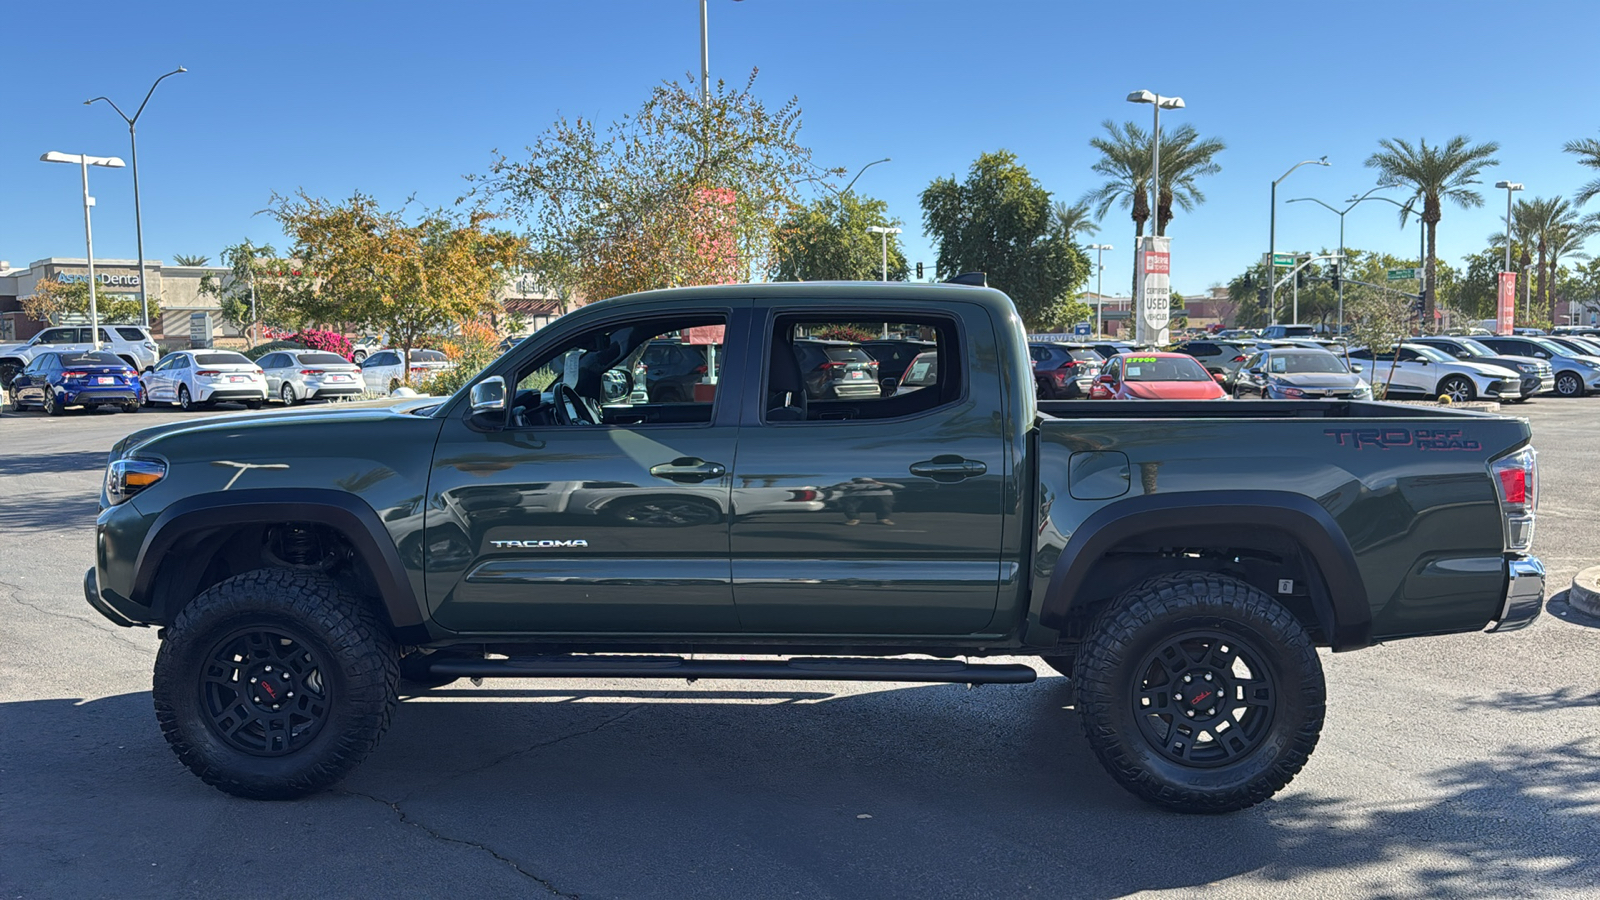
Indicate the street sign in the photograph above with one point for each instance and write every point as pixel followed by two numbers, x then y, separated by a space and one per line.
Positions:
pixel 1402 274
pixel 1283 259
pixel 1081 329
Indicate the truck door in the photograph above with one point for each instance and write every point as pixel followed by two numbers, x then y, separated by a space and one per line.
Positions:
pixel 874 515
pixel 595 510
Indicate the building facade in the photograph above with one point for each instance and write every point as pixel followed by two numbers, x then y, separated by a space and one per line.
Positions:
pixel 175 288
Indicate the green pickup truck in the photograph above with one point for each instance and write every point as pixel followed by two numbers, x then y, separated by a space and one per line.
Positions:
pixel 1181 562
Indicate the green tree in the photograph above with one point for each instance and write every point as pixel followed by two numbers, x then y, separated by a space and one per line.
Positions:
pixel 185 259
pixel 1125 163
pixel 828 239
pixel 1074 219
pixel 1565 242
pixel 1433 174
pixel 1247 291
pixel 1477 294
pixel 53 299
pixel 1588 153
pixel 370 266
pixel 273 279
pixel 999 221
pixel 681 192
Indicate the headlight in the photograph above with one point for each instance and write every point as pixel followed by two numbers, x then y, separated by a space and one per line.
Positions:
pixel 1290 392
pixel 1587 364
pixel 1361 392
pixel 1527 367
pixel 127 477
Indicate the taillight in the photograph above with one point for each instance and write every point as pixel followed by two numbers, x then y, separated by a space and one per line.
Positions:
pixel 1516 481
pixel 208 373
pixel 1237 359
pixel 311 372
pixel 1069 364
pixel 830 366
pixel 73 374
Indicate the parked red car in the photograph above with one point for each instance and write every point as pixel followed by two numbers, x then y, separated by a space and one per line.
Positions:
pixel 1156 376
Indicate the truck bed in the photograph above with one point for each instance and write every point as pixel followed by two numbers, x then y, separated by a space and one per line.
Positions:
pixel 1248 409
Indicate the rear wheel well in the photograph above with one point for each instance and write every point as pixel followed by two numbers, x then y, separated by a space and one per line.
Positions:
pixel 1256 556
pixel 209 556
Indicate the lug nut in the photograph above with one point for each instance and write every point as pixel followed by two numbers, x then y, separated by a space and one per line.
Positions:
pixel 1189 713
pixel 1187 679
pixel 1212 711
pixel 274 706
pixel 257 699
pixel 291 693
pixel 286 676
pixel 269 668
pixel 252 681
pixel 1208 676
pixel 1177 695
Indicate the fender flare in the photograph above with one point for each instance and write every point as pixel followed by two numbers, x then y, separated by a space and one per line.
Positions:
pixel 1342 609
pixel 340 510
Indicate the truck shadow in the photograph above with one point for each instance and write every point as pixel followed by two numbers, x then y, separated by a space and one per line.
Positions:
pixel 902 792
pixel 53 463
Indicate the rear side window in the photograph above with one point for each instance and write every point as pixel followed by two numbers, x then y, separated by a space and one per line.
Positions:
pixel 131 334
pixel 816 373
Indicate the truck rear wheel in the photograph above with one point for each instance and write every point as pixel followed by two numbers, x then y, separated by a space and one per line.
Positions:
pixel 274 684
pixel 1200 693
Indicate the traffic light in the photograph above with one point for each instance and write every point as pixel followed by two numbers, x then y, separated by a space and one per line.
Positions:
pixel 919 271
pixel 1336 282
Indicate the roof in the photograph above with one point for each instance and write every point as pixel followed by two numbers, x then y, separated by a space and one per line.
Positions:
pixel 822 290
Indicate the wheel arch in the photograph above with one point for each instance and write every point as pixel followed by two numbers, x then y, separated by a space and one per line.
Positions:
pixel 1126 542
pixel 197 536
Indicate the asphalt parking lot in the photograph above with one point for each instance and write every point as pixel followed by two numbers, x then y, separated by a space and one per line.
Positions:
pixel 1464 766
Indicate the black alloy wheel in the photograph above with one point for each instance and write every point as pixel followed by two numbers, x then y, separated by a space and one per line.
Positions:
pixel 1568 384
pixel 262 690
pixel 1458 388
pixel 1199 692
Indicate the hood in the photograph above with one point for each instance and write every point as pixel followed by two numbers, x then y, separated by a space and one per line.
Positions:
pixel 12 349
pixel 1316 379
pixel 1488 369
pixel 300 416
pixel 1173 390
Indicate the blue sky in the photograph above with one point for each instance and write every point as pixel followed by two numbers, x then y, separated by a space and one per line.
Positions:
pixel 404 98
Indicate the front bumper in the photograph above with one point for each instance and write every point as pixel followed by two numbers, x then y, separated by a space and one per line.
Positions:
pixel 91 593
pixel 1524 594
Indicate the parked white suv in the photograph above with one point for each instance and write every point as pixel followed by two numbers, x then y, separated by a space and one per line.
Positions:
pixel 132 343
pixel 1422 371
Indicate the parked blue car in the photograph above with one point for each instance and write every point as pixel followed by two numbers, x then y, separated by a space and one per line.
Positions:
pixel 55 381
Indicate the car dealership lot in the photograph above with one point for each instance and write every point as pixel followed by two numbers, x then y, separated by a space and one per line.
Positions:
pixel 1458 766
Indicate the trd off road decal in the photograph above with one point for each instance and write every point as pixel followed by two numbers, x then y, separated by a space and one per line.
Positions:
pixel 1395 438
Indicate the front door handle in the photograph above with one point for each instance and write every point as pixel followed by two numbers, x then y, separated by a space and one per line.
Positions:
pixel 948 469
pixel 688 470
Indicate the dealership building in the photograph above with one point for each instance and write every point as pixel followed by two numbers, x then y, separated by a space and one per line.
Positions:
pixel 177 288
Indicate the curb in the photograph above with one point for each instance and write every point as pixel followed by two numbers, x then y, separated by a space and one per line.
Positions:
pixel 1585 592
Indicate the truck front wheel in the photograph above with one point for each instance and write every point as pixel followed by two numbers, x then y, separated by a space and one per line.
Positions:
pixel 1199 693
pixel 274 684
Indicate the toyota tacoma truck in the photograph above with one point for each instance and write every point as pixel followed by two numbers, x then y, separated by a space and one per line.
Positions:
pixel 1181 562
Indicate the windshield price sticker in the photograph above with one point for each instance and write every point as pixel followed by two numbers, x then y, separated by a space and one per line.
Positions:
pixel 1141 359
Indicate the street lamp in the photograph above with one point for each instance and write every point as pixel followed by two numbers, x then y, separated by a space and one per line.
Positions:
pixel 1511 187
pixel 1099 284
pixel 885 231
pixel 1354 202
pixel 1272 239
pixel 83 162
pixel 1158 103
pixel 133 147
pixel 859 173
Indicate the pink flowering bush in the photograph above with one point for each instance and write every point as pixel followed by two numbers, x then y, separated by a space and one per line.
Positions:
pixel 330 341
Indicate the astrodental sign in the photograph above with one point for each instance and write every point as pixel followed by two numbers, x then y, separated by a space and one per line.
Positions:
pixel 1506 310
pixel 1154 284
pixel 104 278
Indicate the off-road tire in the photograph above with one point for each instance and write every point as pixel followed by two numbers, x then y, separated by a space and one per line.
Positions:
pixel 1121 650
pixel 1569 385
pixel 357 672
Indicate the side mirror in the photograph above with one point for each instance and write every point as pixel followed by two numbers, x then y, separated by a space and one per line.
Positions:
pixel 1463 355
pixel 1219 377
pixel 1105 379
pixel 489 396
pixel 890 385
pixel 149 369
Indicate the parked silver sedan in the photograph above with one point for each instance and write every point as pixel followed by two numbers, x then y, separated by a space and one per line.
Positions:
pixel 295 376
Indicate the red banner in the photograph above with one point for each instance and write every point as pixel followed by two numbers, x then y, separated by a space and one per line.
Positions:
pixel 1507 309
pixel 1157 263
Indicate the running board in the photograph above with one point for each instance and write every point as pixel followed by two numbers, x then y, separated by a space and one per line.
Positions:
pixel 800 669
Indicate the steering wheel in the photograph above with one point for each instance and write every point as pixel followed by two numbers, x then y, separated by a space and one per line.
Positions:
pixel 570 407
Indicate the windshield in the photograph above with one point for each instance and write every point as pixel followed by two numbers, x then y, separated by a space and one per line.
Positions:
pixel 221 359
pixel 1552 347
pixel 1293 363
pixel 1164 368
pixel 1588 344
pixel 1474 348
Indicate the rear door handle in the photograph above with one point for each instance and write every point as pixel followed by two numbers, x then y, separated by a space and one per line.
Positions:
pixel 948 469
pixel 688 470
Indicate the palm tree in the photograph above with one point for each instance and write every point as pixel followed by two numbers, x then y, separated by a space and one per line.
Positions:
pixel 1073 219
pixel 1125 162
pixel 1565 240
pixel 1185 158
pixel 1588 151
pixel 184 259
pixel 1442 171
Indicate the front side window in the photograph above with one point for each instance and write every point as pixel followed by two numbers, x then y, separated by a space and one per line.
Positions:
pixel 658 371
pixel 59 336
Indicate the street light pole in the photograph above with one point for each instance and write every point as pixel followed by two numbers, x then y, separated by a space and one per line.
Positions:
pixel 885 231
pixel 705 58
pixel 1272 240
pixel 1511 187
pixel 1341 213
pixel 1141 329
pixel 84 161
pixel 1100 285
pixel 138 218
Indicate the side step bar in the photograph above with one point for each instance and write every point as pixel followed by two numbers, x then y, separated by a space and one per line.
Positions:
pixel 798 669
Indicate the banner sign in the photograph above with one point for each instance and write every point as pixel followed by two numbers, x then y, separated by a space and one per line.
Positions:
pixel 1154 284
pixel 1507 308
